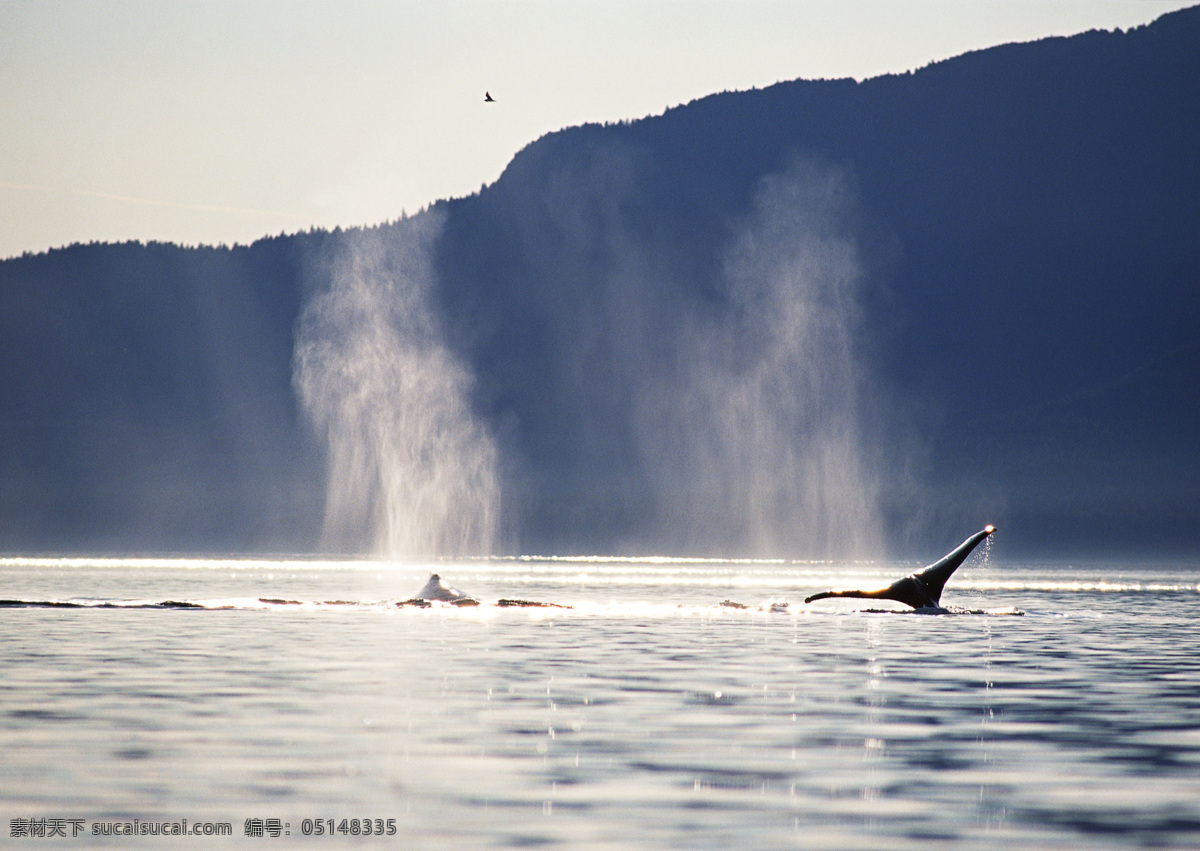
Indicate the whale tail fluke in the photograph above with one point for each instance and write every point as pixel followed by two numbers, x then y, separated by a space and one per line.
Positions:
pixel 934 576
pixel 867 595
pixel 922 589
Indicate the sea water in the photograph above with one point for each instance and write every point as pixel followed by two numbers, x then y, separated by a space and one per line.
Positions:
pixel 292 702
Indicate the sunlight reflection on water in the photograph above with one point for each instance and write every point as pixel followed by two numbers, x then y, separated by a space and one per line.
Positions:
pixel 646 716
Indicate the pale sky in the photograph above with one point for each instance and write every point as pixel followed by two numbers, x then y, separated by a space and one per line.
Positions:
pixel 220 121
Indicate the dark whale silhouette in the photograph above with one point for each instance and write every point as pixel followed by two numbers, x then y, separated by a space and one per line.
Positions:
pixel 922 589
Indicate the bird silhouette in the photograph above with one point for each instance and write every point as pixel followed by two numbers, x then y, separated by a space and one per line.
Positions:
pixel 487 98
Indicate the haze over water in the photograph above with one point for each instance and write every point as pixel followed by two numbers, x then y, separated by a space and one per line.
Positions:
pixel 1063 712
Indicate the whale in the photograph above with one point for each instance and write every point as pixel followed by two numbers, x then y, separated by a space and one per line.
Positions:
pixel 436 590
pixel 923 589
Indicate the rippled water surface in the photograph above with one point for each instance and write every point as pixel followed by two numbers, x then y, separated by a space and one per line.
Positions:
pixel 1051 706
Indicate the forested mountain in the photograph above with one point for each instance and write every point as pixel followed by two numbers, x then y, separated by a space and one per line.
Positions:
pixel 822 319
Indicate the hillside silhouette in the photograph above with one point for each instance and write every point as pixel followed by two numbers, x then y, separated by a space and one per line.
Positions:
pixel 820 319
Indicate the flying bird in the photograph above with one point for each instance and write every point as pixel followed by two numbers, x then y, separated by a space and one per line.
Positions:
pixel 487 98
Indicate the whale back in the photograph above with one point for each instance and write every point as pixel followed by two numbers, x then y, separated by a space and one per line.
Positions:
pixel 436 589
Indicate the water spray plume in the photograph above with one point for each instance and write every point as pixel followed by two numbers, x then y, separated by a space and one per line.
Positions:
pixel 411 471
pixel 765 431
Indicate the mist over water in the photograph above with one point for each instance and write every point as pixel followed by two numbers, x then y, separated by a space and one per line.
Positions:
pixel 762 437
pixel 735 419
pixel 411 471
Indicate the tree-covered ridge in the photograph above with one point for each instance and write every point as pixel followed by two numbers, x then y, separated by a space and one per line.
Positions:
pixel 818 317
